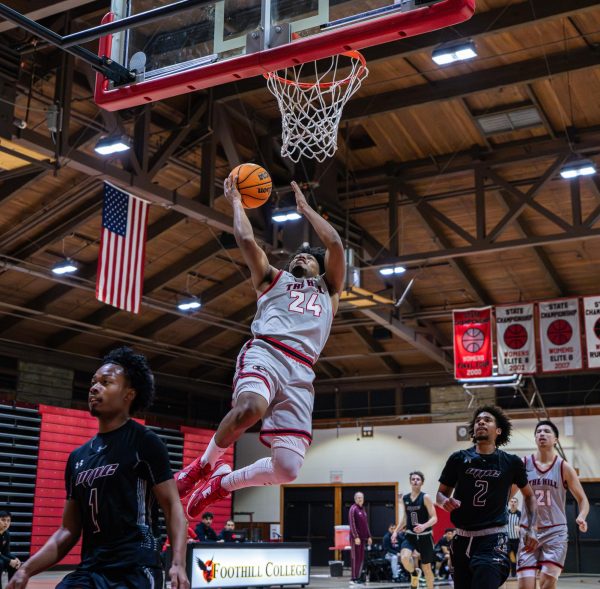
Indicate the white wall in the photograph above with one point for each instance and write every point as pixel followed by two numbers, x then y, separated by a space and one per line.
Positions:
pixel 388 458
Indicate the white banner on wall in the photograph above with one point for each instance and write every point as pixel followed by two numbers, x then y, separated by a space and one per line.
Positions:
pixel 516 339
pixel 249 567
pixel 591 310
pixel 560 336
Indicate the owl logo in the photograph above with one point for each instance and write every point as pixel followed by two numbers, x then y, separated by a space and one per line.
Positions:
pixel 207 569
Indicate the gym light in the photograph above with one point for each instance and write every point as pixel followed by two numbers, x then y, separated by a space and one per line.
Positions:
pixel 446 54
pixel 579 168
pixel 66 266
pixel 110 145
pixel 392 270
pixel 189 304
pixel 283 215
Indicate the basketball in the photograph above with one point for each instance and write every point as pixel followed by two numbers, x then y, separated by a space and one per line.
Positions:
pixel 254 184
pixel 515 336
pixel 559 332
pixel 473 340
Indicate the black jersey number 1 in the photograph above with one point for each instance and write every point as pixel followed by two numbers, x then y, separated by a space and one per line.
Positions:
pixel 93 503
pixel 479 497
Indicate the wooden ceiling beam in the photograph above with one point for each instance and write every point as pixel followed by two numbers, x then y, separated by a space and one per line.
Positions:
pixel 375 346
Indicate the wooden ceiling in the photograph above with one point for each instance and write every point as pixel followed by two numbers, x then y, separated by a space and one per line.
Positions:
pixel 476 218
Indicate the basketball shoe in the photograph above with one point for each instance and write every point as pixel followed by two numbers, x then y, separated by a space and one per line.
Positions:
pixel 192 474
pixel 414 578
pixel 209 492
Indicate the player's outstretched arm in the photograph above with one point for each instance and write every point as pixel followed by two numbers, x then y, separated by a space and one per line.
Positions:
pixel 583 505
pixel 402 523
pixel 335 261
pixel 177 526
pixel 261 272
pixel 54 550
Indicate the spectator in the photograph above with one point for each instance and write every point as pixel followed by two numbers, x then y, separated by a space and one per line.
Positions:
pixel 228 533
pixel 442 553
pixel 8 561
pixel 391 551
pixel 204 530
pixel 359 536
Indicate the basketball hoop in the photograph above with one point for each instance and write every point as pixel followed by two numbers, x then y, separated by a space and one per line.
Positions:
pixel 311 111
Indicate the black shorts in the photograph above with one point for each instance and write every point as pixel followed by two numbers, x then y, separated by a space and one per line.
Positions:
pixel 422 544
pixel 481 562
pixel 132 578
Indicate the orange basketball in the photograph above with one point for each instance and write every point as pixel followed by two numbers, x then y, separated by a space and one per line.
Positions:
pixel 254 184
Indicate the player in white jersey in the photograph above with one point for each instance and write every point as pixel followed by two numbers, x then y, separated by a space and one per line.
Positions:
pixel 274 373
pixel 549 476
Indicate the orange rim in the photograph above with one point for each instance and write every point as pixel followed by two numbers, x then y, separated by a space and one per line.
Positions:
pixel 352 54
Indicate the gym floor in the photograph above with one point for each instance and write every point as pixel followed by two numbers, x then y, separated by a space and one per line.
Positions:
pixel 320 579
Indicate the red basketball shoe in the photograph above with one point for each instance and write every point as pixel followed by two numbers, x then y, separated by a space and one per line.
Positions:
pixel 193 474
pixel 208 493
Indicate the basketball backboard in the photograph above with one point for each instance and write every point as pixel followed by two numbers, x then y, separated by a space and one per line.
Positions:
pixel 220 41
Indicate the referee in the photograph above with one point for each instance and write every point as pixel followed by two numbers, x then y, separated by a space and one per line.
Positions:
pixel 514 516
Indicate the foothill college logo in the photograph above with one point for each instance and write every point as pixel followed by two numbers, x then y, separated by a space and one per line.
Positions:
pixel 213 570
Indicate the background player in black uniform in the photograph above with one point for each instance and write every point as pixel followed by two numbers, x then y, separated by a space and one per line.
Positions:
pixel 112 482
pixel 419 517
pixel 474 487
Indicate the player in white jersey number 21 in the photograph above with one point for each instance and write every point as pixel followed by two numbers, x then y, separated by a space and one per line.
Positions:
pixel 274 371
pixel 550 477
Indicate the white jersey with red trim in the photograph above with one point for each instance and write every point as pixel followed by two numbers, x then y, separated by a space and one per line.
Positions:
pixel 550 492
pixel 295 312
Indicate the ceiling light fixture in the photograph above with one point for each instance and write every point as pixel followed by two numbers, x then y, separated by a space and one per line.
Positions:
pixel 449 53
pixel 113 144
pixel 390 270
pixel 578 168
pixel 66 266
pixel 285 214
pixel 189 304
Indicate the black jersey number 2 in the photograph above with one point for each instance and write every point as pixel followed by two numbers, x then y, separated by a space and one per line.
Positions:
pixel 479 497
pixel 93 503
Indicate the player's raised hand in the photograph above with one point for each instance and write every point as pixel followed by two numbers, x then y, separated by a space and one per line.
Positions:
pixel 581 524
pixel 230 189
pixel 301 202
pixel 178 577
pixel 451 504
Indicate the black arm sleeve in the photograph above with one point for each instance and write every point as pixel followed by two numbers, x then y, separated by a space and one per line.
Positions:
pixel 449 475
pixel 154 454
pixel 520 473
pixel 69 477
pixel 5 555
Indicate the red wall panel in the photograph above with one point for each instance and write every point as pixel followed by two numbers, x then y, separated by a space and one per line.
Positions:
pixel 195 442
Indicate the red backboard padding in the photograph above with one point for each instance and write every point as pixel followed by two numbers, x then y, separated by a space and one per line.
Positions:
pixel 195 442
pixel 63 430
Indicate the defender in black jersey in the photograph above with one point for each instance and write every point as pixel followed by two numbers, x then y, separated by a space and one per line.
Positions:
pixel 112 483
pixel 475 487
pixel 418 517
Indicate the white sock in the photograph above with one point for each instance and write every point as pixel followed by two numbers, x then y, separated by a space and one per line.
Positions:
pixel 212 453
pixel 282 468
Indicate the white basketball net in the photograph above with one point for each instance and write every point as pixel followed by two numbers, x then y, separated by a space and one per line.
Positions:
pixel 311 111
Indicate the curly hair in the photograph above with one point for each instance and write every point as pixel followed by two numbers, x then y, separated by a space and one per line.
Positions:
pixel 549 423
pixel 502 422
pixel 138 374
pixel 316 252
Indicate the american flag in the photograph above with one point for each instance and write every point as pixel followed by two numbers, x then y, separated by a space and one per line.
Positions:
pixel 120 275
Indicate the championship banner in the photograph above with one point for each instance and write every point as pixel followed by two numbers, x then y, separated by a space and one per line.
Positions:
pixel 472 343
pixel 515 340
pixel 591 311
pixel 560 338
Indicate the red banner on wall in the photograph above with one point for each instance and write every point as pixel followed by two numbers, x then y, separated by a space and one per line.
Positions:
pixel 515 338
pixel 472 343
pixel 591 310
pixel 560 335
